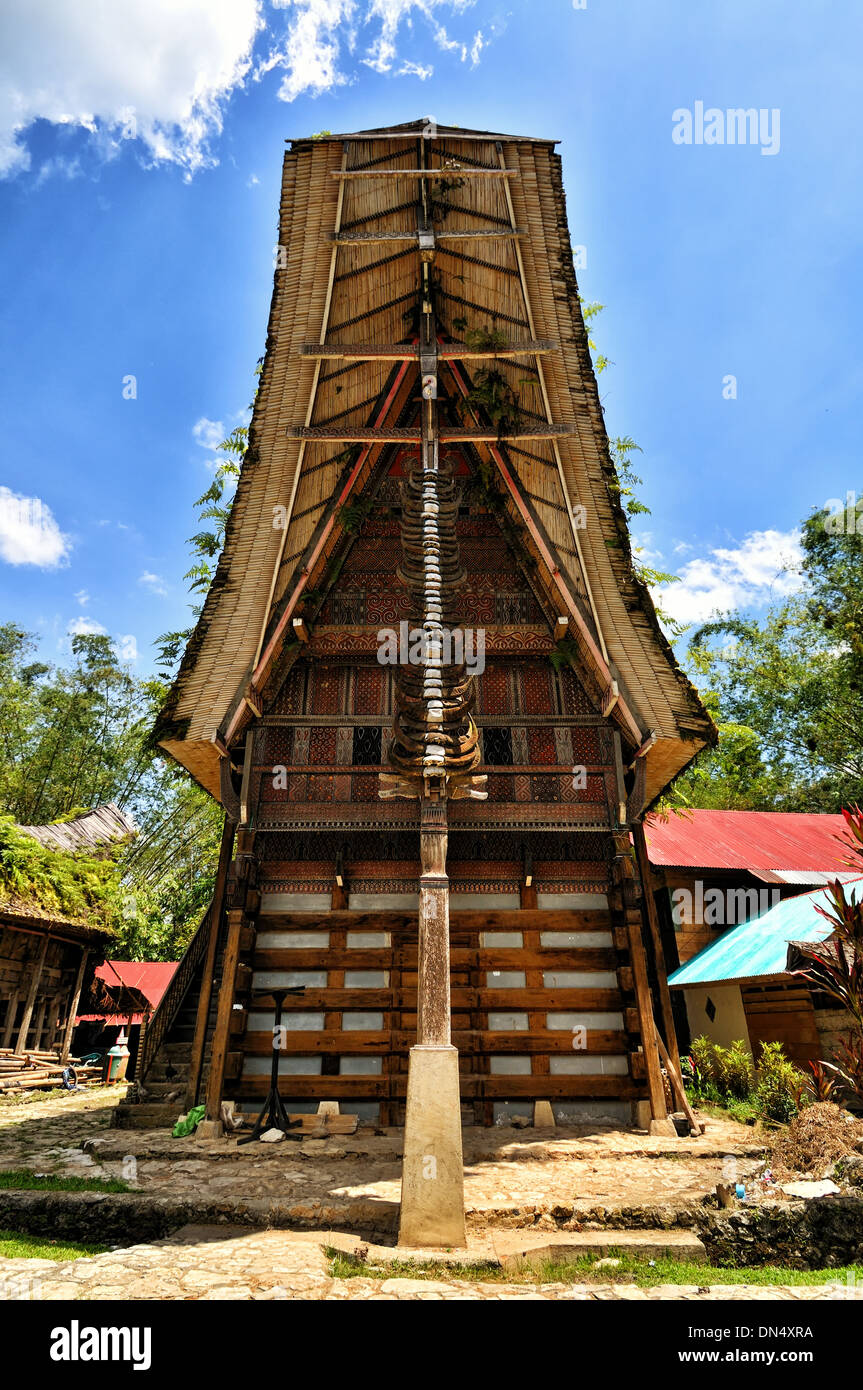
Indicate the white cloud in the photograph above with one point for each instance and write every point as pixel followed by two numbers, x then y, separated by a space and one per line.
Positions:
pixel 156 71
pixel 317 30
pixel 29 534
pixel 409 69
pixel 208 433
pixel 127 647
pixel 764 567
pixel 154 582
pixel 82 598
pixel 310 50
pixel 85 627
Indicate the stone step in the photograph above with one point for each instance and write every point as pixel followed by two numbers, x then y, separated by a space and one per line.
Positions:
pixel 147 1116
pixel 516 1248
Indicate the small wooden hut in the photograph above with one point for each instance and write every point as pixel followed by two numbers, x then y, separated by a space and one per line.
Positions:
pixel 428 455
pixel 44 954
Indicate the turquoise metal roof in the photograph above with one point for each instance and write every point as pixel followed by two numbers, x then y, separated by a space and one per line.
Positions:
pixel 757 947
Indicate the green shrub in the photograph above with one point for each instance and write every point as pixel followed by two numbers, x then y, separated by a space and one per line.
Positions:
pixel 736 1072
pixel 725 1071
pixel 773 1088
pixel 782 1089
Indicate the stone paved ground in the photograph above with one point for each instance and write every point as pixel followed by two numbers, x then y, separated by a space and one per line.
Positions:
pixel 513 1178
pixel 206 1264
pixel 504 1168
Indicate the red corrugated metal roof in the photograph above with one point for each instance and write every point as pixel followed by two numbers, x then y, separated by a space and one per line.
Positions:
pixel 151 977
pixel 764 842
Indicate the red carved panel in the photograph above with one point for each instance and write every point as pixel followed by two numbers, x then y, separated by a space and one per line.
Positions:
pixel 326 690
pixel 365 786
pixel 369 693
pixel 542 747
pixel 320 787
pixel 575 699
pixel 322 747
pixel 537 691
pixel 493 690
pixel 275 746
pixel 585 746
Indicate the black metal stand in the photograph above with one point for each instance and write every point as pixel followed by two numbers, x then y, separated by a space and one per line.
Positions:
pixel 273 1107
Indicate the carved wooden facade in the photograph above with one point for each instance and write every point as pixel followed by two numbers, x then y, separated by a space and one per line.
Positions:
pixel 429 434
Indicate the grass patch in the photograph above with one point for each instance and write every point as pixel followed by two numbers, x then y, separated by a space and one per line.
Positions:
pixel 632 1269
pixel 744 1112
pixel 26 1180
pixel 33 1097
pixel 15 1245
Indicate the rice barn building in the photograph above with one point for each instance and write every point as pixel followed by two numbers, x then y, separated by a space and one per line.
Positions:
pixel 427 685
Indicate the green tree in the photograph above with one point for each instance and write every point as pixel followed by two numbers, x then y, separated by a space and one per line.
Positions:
pixel 787 690
pixel 71 737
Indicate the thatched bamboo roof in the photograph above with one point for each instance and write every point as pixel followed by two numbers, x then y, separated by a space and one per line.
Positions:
pixel 89 831
pixel 341 367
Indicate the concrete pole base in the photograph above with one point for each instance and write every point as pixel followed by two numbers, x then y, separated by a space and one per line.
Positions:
pixel 432 1203
pixel 666 1128
pixel 210 1129
pixel 543 1115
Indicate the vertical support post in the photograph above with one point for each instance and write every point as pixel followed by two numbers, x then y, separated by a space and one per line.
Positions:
pixel 39 1022
pixel 73 1006
pixel 643 860
pixel 14 1001
pixel 627 892
pixel 33 990
pixel 216 1078
pixel 433 985
pixel 647 1027
pixel 432 1200
pixel 199 1040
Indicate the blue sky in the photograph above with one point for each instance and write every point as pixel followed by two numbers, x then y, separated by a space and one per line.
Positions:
pixel 140 152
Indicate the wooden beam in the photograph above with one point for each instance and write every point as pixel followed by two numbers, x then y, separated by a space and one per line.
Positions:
pixel 20 1045
pixel 73 1006
pixel 409 352
pixel 304 1043
pixel 266 657
pixel 460 171
pixel 421 132
pixel 647 1028
pixel 643 860
pixel 310 409
pixel 373 238
pixel 196 1064
pixel 678 1087
pixel 14 1000
pixel 221 1036
pixel 471 1084
pixel 245 786
pixel 399 435
pixel 576 539
pixel 610 698
pixel 584 636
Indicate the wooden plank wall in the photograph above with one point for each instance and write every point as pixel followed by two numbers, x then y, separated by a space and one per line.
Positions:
pixel 486 979
pixel 783 1013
